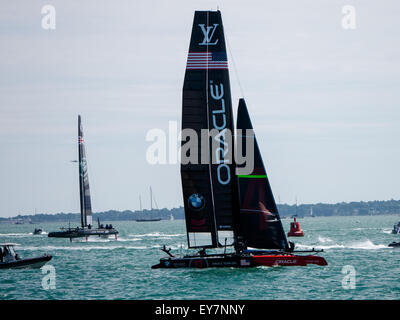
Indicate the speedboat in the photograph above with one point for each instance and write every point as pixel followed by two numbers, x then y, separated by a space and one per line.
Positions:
pixel 10 259
pixel 394 244
pixel 37 231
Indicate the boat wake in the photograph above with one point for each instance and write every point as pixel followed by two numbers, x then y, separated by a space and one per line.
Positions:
pixel 388 231
pixel 106 240
pixel 363 245
pixel 157 235
pixel 15 234
pixel 88 248
pixel 324 239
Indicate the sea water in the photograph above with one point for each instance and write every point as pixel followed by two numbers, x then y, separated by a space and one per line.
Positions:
pixel 360 264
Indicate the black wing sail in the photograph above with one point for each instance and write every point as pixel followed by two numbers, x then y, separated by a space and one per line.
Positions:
pixel 208 185
pixel 86 205
pixel 260 224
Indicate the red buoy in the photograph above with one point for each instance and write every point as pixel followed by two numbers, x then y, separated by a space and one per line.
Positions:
pixel 295 229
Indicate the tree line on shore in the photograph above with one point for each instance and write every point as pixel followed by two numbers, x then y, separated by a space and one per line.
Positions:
pixel 374 208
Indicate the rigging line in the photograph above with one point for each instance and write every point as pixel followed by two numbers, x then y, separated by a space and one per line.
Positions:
pixel 155 202
pixel 209 150
pixel 234 65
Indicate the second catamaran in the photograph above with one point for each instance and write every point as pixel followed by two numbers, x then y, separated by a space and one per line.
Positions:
pixel 86 228
pixel 222 209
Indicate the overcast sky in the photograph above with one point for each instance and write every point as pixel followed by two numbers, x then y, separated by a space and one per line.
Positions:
pixel 324 100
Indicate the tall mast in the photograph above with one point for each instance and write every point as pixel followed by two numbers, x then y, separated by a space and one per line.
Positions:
pixel 81 191
pixel 208 179
pixel 151 199
pixel 86 204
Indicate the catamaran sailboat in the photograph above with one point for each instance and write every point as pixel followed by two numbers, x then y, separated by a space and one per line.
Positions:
pixel 86 228
pixel 222 209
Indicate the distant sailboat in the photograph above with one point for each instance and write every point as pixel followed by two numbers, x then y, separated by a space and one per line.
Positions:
pixel 151 209
pixel 86 228
pixel 223 210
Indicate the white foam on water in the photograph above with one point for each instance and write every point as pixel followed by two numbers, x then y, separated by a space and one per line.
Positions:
pixel 15 234
pixel 105 240
pixel 309 247
pixel 86 248
pixel 363 245
pixel 156 234
pixel 324 239
pixel 367 245
pixel 121 239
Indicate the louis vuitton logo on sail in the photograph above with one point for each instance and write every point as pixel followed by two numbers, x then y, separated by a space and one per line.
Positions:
pixel 207 36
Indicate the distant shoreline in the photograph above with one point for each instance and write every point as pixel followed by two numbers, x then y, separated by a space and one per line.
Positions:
pixel 373 208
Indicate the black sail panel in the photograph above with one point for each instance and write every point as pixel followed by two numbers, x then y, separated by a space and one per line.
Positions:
pixel 85 201
pixel 260 224
pixel 208 185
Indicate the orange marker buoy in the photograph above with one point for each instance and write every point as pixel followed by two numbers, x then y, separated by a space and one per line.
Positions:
pixel 295 229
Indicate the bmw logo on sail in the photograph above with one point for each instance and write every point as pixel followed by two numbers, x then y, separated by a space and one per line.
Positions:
pixel 196 201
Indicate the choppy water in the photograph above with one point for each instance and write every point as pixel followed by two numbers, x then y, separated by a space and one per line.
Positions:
pixel 110 269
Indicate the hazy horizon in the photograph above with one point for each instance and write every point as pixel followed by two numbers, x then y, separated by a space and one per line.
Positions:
pixel 324 101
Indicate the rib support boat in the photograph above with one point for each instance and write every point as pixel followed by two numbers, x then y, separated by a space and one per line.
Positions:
pixel 10 260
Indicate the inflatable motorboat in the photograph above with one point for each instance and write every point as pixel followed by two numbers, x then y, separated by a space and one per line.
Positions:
pixel 394 244
pixel 10 259
pixel 37 231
